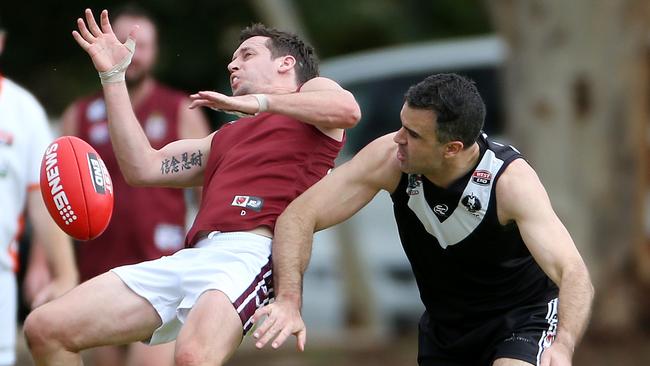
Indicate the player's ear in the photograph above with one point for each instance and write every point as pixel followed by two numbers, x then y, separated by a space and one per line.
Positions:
pixel 287 63
pixel 452 148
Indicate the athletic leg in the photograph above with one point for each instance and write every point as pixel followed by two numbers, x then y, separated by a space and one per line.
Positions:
pixel 107 356
pixel 101 311
pixel 159 355
pixel 211 333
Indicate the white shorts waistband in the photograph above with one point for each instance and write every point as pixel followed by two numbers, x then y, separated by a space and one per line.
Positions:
pixel 216 237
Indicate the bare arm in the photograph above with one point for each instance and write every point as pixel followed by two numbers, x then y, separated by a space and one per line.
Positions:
pixel 192 124
pixel 58 250
pixel 334 199
pixel 178 164
pixel 320 102
pixel 522 198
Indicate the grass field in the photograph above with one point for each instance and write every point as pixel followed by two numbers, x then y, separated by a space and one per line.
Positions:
pixel 356 350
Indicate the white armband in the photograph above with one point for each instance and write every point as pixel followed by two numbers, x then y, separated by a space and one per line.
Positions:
pixel 263 101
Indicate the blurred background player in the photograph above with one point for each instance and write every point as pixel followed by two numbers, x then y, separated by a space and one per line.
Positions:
pixel 147 223
pixel 24 135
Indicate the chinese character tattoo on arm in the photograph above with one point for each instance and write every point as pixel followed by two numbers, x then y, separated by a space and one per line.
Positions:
pixel 185 161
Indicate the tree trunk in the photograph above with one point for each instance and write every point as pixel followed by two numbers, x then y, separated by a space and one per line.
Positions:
pixel 576 95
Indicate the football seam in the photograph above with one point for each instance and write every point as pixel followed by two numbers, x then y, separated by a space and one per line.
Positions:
pixel 83 191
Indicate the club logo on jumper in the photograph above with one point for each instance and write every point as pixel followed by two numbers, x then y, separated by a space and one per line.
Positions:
pixel 441 210
pixel 414 182
pixel 56 188
pixel 471 202
pixel 98 133
pixel 482 177
pixel 254 203
pixel 99 174
pixel 96 111
pixel 156 126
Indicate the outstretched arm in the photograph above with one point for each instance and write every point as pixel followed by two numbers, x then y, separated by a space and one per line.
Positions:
pixel 320 102
pixel 522 198
pixel 179 164
pixel 332 200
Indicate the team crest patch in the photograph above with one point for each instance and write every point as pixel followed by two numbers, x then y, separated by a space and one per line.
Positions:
pixel 98 133
pixel 441 210
pixel 156 126
pixel 253 203
pixel 482 177
pixel 471 202
pixel 414 182
pixel 96 111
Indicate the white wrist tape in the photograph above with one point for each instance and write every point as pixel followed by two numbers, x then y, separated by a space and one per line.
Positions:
pixel 262 101
pixel 116 73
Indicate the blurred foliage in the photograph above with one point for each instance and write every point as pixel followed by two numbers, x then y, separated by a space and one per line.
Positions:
pixel 339 26
pixel 199 36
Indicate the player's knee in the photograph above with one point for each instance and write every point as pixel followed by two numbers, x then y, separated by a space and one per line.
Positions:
pixel 184 356
pixel 193 355
pixel 39 330
pixel 46 331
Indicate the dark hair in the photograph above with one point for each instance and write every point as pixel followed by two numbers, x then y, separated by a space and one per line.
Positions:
pixel 283 43
pixel 458 106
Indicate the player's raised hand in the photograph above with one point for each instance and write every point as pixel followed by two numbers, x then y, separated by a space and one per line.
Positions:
pixel 105 50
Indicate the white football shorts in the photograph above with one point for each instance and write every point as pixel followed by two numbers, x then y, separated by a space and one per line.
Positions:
pixel 235 263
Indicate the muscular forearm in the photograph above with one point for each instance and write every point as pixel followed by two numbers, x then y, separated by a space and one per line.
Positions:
pixel 323 108
pixel 292 245
pixel 576 295
pixel 131 145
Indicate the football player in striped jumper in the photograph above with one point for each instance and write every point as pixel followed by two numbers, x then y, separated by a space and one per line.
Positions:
pixel 500 277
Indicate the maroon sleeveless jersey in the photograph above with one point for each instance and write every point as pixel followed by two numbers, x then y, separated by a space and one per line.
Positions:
pixel 147 223
pixel 256 167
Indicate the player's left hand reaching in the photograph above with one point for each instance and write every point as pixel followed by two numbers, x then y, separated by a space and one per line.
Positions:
pixel 283 319
pixel 241 106
pixel 106 51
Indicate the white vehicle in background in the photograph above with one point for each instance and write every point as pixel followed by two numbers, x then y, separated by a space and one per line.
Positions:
pixel 377 277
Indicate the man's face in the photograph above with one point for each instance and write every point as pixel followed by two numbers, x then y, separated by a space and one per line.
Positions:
pixel 252 67
pixel 146 49
pixel 419 151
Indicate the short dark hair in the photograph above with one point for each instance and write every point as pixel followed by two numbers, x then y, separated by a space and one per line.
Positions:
pixel 458 106
pixel 282 43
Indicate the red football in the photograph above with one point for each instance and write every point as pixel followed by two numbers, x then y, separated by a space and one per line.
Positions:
pixel 76 188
